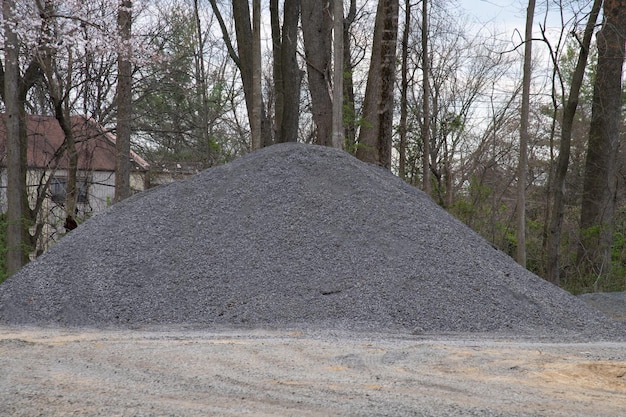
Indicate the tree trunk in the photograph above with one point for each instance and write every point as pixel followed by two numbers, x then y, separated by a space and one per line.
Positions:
pixel 29 216
pixel 291 74
pixel 448 177
pixel 404 88
pixel 279 93
pixel 202 88
pixel 248 60
pixel 257 94
pixel 61 110
pixel 317 31
pixel 15 186
pixel 348 83
pixel 124 102
pixel 522 167
pixel 599 187
pixel 71 193
pixel 63 117
pixel 376 131
pixel 556 219
pixel 426 185
pixel 243 33
pixel 337 134
pixel 31 76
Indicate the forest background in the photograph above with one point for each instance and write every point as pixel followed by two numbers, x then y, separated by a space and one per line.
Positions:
pixel 520 143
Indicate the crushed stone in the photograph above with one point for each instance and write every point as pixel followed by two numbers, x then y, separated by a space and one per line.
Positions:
pixel 288 236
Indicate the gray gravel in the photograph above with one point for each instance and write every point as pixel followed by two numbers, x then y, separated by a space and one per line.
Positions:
pixel 292 235
pixel 613 304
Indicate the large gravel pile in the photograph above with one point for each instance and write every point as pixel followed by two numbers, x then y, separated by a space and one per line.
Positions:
pixel 292 235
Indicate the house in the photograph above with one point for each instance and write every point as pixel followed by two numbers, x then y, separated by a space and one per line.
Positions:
pixel 47 162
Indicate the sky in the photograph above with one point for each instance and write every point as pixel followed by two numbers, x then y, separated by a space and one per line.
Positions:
pixel 509 17
pixel 507 12
pixel 510 13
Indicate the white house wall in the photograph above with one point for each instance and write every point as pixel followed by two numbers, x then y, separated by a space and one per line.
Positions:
pixel 100 194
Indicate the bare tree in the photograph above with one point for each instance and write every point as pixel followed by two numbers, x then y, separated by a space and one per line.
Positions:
pixel 317 33
pixel 15 185
pixel 558 187
pixel 426 185
pixel 50 50
pixel 58 91
pixel 124 102
pixel 287 74
pixel 599 189
pixel 338 131
pixel 404 87
pixel 524 136
pixel 375 135
pixel 257 94
pixel 201 78
pixel 248 60
pixel 26 80
pixel 348 81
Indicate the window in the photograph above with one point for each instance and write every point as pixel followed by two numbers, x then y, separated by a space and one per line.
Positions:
pixel 58 190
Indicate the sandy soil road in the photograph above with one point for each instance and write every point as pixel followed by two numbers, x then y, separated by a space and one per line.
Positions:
pixel 60 372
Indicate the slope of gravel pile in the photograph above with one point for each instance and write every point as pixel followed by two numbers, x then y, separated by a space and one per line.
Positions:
pixel 292 235
pixel 613 304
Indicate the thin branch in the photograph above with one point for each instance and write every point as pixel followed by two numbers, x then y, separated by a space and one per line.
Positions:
pixel 227 41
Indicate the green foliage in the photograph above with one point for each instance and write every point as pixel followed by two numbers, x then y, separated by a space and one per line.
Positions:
pixel 467 209
pixel 359 122
pixel 535 254
pixel 591 233
pixel 480 210
pixel 352 148
pixel 567 64
pixel 451 123
pixel 582 283
pixel 617 278
pixel 582 280
pixel 179 109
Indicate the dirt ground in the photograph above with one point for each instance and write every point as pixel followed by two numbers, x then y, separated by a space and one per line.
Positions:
pixel 61 372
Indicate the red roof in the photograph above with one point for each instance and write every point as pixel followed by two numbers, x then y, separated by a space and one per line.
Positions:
pixel 95 145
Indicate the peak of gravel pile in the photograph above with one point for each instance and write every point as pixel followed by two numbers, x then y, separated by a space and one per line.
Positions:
pixel 292 235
